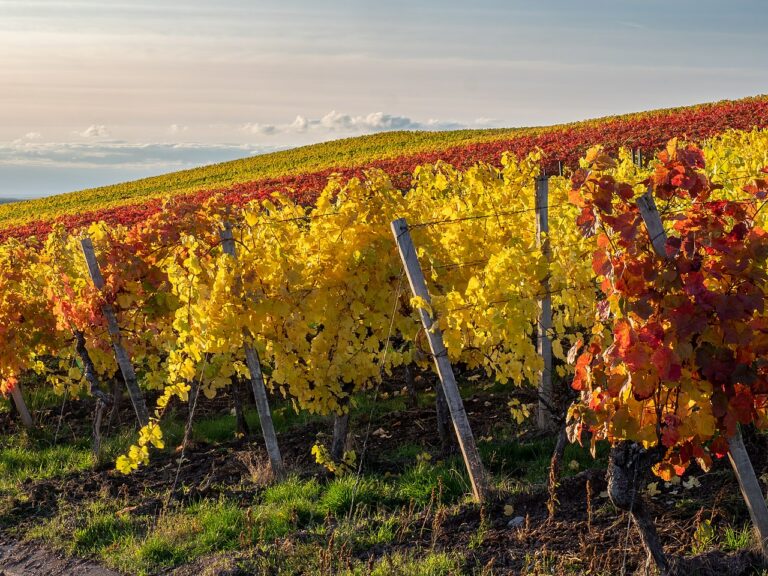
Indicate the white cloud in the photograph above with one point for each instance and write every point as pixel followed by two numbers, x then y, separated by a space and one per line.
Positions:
pixel 116 154
pixel 26 138
pixel 299 125
pixel 94 131
pixel 177 129
pixel 256 128
pixel 373 122
pixel 337 122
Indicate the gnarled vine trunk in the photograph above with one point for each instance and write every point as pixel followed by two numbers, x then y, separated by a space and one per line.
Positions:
pixel 102 400
pixel 340 432
pixel 444 428
pixel 628 466
pixel 241 425
pixel 21 406
pixel 410 385
pixel 555 464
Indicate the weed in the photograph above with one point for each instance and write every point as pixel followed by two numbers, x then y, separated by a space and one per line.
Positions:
pixel 420 482
pixel 735 539
pixel 704 537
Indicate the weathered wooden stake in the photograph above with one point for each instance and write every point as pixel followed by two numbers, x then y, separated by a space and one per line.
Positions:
pixel 440 354
pixel 21 406
pixel 653 223
pixel 545 418
pixel 121 354
pixel 257 377
pixel 737 453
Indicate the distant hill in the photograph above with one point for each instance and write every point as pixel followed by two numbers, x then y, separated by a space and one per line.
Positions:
pixel 303 172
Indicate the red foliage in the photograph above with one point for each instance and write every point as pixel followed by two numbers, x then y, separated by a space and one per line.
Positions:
pixel 647 133
pixel 689 327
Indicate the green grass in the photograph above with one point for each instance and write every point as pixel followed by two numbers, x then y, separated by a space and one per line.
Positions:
pixel 302 524
pixel 735 539
pixel 106 528
pixel 340 494
pixel 21 460
pixel 410 564
pixel 145 545
pixel 447 482
pixel 299 525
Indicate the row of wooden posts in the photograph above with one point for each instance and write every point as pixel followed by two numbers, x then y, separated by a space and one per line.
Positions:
pixel 545 418
pixel 738 456
pixel 418 286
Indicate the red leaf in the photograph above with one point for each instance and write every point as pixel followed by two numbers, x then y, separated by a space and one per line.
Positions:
pixel 742 404
pixel 672 246
pixel 601 263
pixel 719 447
pixel 580 372
pixel 587 222
pixel 666 364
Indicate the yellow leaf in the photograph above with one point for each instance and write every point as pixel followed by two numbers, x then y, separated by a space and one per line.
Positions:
pixel 419 303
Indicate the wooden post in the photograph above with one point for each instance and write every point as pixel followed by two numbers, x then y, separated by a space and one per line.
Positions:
pixel 737 453
pixel 121 354
pixel 257 377
pixel 21 406
pixel 545 418
pixel 440 355
pixel 653 223
pixel 750 488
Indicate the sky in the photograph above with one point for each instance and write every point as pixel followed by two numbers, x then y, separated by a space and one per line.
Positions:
pixel 94 92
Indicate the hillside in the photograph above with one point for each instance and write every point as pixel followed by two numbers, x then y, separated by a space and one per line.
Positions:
pixel 279 413
pixel 303 171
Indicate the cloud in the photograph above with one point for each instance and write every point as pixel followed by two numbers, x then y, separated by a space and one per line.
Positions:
pixel 117 154
pixel 299 125
pixel 262 129
pixel 30 169
pixel 26 138
pixel 177 129
pixel 94 131
pixel 373 122
pixel 336 122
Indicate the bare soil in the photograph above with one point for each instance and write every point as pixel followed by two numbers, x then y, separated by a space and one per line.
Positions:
pixel 586 536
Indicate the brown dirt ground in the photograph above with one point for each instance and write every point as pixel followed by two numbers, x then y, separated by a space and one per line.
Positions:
pixel 586 534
